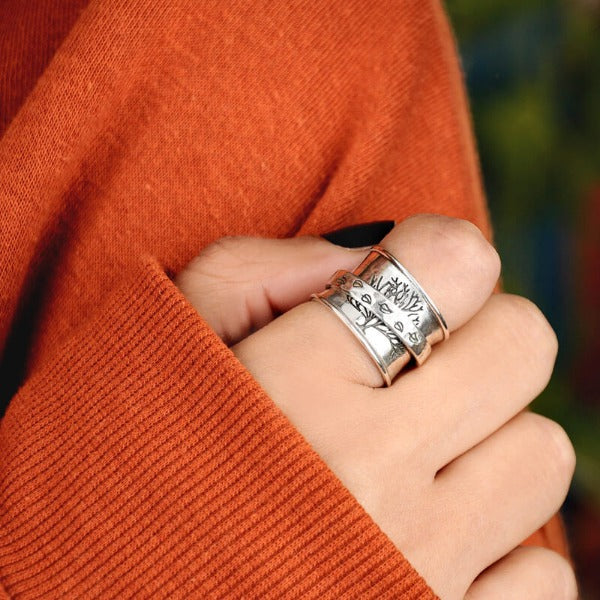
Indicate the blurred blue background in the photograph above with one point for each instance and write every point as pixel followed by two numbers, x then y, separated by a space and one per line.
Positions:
pixel 533 75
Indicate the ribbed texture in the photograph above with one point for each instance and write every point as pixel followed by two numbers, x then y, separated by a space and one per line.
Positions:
pixel 161 482
pixel 138 458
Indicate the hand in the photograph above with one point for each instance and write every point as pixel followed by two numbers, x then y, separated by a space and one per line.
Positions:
pixel 445 461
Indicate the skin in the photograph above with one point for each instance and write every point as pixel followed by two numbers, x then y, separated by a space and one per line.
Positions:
pixel 446 458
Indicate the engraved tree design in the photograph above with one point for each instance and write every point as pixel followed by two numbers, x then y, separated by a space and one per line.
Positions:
pixel 369 319
pixel 401 294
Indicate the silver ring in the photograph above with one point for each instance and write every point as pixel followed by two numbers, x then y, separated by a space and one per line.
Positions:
pixel 387 310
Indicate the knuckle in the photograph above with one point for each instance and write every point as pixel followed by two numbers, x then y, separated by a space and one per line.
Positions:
pixel 539 326
pixel 528 327
pixel 223 250
pixel 569 580
pixel 462 240
pixel 216 265
pixel 557 447
pixel 560 573
pixel 221 259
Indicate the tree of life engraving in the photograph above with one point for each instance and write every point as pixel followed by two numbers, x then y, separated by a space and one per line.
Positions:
pixel 367 317
pixel 401 294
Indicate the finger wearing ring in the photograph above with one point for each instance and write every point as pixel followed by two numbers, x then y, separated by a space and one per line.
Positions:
pixel 387 310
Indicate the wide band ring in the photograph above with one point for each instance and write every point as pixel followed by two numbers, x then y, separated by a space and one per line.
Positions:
pixel 387 310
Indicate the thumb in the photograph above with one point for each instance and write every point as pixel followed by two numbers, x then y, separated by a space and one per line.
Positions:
pixel 239 284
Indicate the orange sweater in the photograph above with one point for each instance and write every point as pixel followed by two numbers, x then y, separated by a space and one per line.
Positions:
pixel 138 457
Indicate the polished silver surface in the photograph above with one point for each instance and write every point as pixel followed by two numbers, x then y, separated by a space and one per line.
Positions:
pixel 387 310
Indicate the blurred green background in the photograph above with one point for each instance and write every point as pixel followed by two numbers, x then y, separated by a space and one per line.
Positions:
pixel 533 74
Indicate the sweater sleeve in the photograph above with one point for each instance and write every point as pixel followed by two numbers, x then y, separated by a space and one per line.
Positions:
pixel 145 461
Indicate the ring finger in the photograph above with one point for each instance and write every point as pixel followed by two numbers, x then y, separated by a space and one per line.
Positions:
pixel 488 371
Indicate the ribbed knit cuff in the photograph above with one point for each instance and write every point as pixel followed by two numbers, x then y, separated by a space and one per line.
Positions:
pixel 147 461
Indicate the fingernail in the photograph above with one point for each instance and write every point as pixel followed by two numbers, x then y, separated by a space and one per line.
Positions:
pixel 359 236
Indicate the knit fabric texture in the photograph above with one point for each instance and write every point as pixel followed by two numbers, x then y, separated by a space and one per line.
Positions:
pixel 138 457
